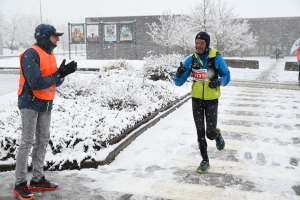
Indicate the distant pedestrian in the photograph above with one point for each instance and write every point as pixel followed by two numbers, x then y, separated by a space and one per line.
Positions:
pixel 277 52
pixel 209 71
pixel 298 62
pixel 39 78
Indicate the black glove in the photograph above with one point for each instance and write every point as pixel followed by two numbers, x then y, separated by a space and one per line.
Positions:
pixel 65 70
pixel 213 84
pixel 181 69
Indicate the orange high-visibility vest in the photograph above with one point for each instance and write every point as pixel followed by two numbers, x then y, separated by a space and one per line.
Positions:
pixel 47 66
pixel 298 54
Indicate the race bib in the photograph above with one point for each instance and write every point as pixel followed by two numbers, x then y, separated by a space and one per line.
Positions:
pixel 199 75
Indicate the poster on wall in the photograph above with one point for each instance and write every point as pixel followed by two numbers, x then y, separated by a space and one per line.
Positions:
pixel 77 33
pixel 92 32
pixel 126 32
pixel 110 32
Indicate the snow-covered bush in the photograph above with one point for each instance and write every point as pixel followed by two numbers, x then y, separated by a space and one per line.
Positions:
pixel 118 64
pixel 162 67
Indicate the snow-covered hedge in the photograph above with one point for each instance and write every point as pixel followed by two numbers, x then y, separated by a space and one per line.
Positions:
pixel 162 67
pixel 91 109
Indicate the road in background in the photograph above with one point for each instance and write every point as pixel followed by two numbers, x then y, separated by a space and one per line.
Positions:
pixel 8 81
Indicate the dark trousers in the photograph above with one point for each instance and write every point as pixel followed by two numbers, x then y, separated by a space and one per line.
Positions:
pixel 205 114
pixel 299 73
pixel 35 133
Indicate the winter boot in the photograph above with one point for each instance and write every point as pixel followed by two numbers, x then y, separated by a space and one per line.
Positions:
pixel 203 167
pixel 22 192
pixel 42 185
pixel 220 143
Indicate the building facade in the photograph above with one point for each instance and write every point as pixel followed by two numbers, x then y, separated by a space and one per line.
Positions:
pixel 279 32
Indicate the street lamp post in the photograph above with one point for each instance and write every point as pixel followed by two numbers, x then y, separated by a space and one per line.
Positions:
pixel 1 44
pixel 41 11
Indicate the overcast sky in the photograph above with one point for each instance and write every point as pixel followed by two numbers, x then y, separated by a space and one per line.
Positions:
pixel 77 10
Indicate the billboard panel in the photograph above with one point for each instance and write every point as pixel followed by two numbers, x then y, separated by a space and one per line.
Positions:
pixel 110 32
pixel 92 32
pixel 126 32
pixel 77 33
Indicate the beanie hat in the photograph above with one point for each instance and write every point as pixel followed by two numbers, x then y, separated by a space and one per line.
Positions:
pixel 203 36
pixel 44 31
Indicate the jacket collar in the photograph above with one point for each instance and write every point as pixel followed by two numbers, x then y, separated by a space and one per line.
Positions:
pixel 46 45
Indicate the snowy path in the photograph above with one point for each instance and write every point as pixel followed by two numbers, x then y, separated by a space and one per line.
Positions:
pixel 261 159
pixel 271 71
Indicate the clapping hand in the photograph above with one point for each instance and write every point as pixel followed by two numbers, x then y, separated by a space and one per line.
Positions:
pixel 66 69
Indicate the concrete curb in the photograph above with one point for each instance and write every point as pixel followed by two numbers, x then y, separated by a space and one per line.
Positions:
pixel 291 66
pixel 240 63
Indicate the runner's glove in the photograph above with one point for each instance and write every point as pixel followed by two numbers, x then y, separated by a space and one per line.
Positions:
pixel 213 84
pixel 66 69
pixel 181 69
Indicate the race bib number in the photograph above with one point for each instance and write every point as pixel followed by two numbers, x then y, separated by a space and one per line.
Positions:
pixel 199 75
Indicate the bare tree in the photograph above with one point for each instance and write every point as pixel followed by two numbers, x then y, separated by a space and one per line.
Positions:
pixel 18 31
pixel 202 16
pixel 222 30
pixel 164 33
pixel 12 32
pixel 216 18
pixel 243 40
pixel 1 30
pixel 184 34
pixel 2 21
pixel 28 25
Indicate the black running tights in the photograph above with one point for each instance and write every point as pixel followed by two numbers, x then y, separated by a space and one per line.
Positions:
pixel 205 110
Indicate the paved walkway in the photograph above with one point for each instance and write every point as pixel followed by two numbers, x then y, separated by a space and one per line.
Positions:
pixel 261 159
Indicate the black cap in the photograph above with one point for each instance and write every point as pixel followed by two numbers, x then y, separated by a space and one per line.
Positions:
pixel 58 33
pixel 203 36
pixel 44 31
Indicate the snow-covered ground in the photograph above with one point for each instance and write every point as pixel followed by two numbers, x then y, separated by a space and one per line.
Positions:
pixel 261 159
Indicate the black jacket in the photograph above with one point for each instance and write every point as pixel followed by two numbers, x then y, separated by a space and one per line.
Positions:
pixel 34 80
